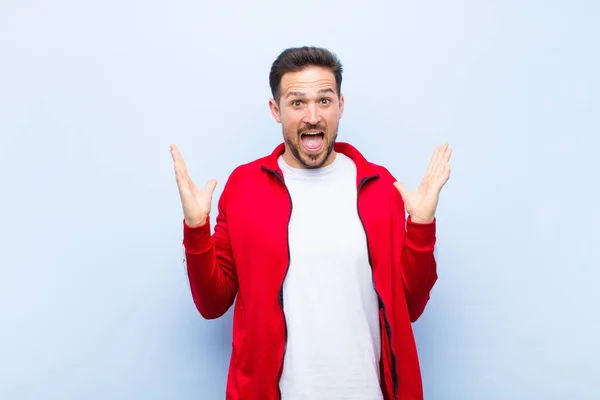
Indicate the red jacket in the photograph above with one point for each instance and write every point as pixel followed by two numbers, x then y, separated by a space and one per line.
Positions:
pixel 248 256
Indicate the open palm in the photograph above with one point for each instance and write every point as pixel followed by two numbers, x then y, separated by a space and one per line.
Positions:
pixel 196 202
pixel 422 202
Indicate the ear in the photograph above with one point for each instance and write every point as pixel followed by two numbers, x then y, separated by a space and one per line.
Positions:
pixel 275 110
pixel 341 105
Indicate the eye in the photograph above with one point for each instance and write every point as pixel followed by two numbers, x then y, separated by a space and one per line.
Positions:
pixel 325 101
pixel 296 103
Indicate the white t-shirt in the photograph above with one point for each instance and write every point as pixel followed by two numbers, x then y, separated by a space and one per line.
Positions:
pixel 330 304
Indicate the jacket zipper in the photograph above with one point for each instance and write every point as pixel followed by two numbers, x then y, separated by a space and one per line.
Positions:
pixel 385 320
pixel 282 282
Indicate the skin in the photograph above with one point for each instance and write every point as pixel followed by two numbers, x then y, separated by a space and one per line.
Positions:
pixel 309 102
pixel 422 202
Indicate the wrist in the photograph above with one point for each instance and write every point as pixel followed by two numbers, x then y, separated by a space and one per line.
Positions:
pixel 196 223
pixel 421 220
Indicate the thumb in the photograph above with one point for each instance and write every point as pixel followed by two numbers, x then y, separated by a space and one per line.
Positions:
pixel 402 189
pixel 210 186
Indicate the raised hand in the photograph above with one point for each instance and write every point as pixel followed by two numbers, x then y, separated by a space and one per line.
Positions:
pixel 196 202
pixel 422 202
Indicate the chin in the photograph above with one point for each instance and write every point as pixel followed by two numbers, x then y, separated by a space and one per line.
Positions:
pixel 310 160
pixel 314 160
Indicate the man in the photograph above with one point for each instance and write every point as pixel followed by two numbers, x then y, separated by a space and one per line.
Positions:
pixel 314 243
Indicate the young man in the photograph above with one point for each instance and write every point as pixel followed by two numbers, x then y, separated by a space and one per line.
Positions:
pixel 314 241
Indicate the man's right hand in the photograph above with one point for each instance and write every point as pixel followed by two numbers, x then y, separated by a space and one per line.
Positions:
pixel 196 202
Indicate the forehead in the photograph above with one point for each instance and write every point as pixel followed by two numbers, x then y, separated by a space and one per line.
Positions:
pixel 308 80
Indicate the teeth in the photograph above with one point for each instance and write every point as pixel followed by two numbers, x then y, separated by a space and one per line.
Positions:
pixel 312 133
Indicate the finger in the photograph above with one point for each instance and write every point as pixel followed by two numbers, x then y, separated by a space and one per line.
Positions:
pixel 432 161
pixel 179 162
pixel 440 153
pixel 175 162
pixel 402 189
pixel 443 173
pixel 445 156
pixel 445 159
pixel 441 159
pixel 210 186
pixel 444 170
pixel 183 180
pixel 177 165
pixel 180 173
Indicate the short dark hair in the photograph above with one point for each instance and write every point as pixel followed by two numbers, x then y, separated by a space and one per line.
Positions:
pixel 295 59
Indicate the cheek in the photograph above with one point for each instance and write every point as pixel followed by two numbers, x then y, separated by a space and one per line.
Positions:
pixel 290 123
pixel 289 130
pixel 333 118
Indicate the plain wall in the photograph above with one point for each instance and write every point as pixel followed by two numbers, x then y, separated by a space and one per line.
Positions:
pixel 94 299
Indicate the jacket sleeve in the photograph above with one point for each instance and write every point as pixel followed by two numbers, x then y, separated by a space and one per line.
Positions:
pixel 418 265
pixel 210 267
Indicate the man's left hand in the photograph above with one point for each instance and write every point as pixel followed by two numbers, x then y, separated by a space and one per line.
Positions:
pixel 422 202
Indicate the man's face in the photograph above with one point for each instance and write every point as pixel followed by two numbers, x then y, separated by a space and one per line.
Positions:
pixel 309 111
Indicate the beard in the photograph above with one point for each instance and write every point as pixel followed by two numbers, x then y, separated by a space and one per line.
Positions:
pixel 310 161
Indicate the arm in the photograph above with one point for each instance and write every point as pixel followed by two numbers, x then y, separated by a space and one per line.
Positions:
pixel 418 265
pixel 210 267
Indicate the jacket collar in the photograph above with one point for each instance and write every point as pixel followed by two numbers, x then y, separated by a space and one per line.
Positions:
pixel 364 169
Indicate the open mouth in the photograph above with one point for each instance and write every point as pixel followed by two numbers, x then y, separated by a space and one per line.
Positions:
pixel 311 134
pixel 312 141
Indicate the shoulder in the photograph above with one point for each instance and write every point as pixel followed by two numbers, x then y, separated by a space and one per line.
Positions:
pixel 385 177
pixel 384 184
pixel 250 169
pixel 246 174
pixel 365 166
pixel 382 171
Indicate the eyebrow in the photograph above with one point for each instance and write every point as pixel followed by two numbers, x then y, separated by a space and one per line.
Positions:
pixel 301 94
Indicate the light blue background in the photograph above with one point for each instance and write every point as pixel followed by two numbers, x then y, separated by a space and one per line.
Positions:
pixel 94 302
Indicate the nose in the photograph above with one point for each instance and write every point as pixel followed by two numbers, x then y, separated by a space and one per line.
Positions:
pixel 312 115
